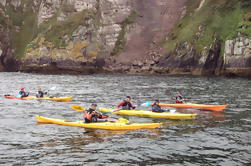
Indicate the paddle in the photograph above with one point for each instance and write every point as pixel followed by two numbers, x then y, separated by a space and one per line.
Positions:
pixel 79 108
pixel 51 89
pixel 147 104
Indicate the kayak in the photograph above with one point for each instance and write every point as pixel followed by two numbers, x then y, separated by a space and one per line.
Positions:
pixel 99 125
pixel 144 113
pixel 199 106
pixel 59 99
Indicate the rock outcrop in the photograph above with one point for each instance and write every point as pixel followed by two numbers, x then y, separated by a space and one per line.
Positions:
pixel 208 45
pixel 237 57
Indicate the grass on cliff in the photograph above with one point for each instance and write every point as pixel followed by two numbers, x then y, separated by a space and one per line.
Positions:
pixel 121 41
pixel 54 30
pixel 22 24
pixel 219 18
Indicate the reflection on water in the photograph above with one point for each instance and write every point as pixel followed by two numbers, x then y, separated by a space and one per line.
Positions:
pixel 213 138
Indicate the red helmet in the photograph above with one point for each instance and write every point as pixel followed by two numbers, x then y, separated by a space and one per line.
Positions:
pixel 22 88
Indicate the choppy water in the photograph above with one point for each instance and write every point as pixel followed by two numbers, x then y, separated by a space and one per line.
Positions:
pixel 212 139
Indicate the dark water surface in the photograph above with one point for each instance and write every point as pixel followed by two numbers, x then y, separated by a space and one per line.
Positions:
pixel 212 139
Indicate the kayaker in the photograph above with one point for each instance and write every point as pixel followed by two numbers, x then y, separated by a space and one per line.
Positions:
pixel 126 104
pixel 179 98
pixel 156 107
pixel 22 93
pixel 40 93
pixel 91 115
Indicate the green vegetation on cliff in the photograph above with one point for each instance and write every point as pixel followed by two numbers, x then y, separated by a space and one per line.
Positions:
pixel 20 22
pixel 221 19
pixel 54 31
pixel 121 41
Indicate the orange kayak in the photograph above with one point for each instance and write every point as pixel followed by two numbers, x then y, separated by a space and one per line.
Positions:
pixel 198 106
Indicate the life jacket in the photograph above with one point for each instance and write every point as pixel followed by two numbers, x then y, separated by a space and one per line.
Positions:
pixel 92 116
pixel 179 99
pixel 127 105
pixel 23 93
pixel 88 115
pixel 156 108
pixel 40 94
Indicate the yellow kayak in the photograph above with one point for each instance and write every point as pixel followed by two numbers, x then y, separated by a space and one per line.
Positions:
pixel 59 99
pixel 99 125
pixel 151 114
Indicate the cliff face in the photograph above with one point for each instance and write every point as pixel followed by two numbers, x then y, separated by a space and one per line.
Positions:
pixel 201 37
pixel 237 57
pixel 84 35
pixel 213 38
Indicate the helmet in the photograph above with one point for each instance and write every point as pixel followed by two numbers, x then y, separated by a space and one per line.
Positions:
pixel 94 104
pixel 22 89
pixel 128 97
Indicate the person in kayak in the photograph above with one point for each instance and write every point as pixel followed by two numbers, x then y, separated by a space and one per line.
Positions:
pixel 92 116
pixel 156 107
pixel 40 93
pixel 22 93
pixel 126 104
pixel 179 98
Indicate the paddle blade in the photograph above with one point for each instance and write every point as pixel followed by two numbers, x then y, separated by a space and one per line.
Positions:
pixel 53 88
pixel 77 108
pixel 172 111
pixel 146 104
pixel 122 120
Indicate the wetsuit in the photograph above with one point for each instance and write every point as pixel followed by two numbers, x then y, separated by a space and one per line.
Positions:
pixel 23 94
pixel 92 115
pixel 126 105
pixel 40 94
pixel 157 108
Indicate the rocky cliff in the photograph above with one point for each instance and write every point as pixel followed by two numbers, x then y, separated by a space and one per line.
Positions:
pixel 202 37
pixel 213 38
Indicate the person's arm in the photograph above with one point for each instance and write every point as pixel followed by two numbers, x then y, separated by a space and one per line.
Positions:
pixel 120 104
pixel 101 116
pixel 88 116
pixel 181 97
pixel 132 106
